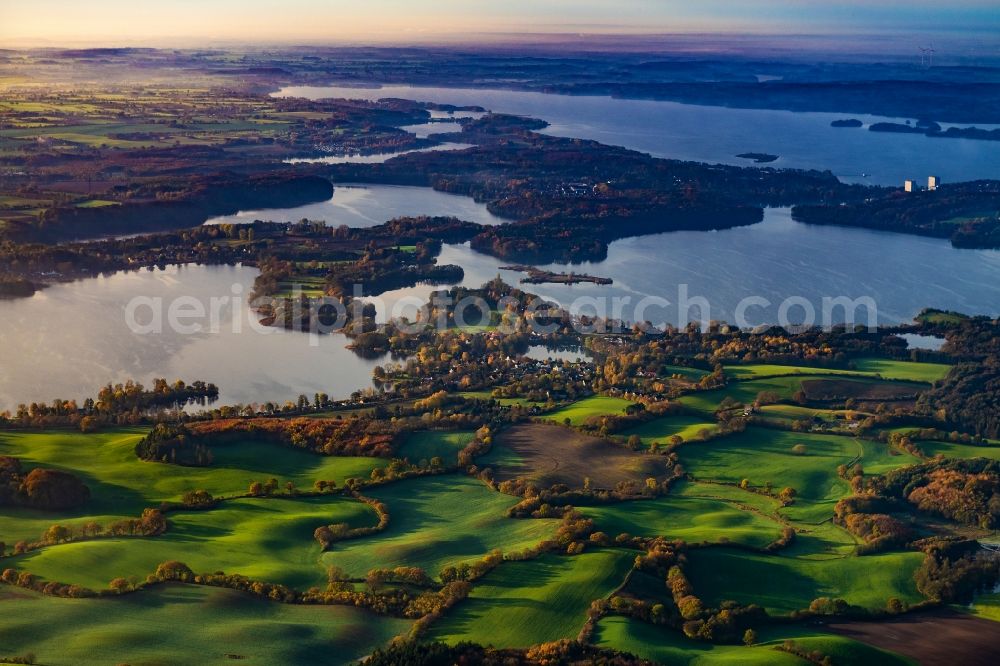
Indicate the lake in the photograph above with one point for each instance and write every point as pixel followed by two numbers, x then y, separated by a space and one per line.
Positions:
pixel 776 259
pixel 70 339
pixel 371 205
pixel 377 158
pixel 718 134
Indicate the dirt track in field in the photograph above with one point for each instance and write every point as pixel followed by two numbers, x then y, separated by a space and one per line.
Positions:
pixel 553 454
pixel 938 638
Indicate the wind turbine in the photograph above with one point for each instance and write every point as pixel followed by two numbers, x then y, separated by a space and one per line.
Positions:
pixel 927 55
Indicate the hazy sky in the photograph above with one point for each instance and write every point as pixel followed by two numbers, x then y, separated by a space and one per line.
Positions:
pixel 134 21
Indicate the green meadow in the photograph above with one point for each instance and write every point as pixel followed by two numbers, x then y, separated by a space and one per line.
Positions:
pixel 266 539
pixel 867 367
pixel 666 646
pixel 798 413
pixel 122 485
pixel 904 370
pixel 662 429
pixel 581 410
pixel 745 391
pixel 760 370
pixel 523 603
pixel 444 444
pixel 985 606
pixel 763 456
pixel 506 402
pixel 957 450
pixel 692 519
pixel 178 625
pixel 435 522
pixel 782 583
pixel 690 374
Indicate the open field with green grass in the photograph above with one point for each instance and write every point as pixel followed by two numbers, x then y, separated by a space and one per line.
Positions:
pixel 122 485
pixel 763 456
pixel 957 450
pixel 799 413
pixel 761 370
pixel 866 367
pixel 266 539
pixel 692 519
pixel 429 444
pixel 662 429
pixel 436 522
pixel 177 625
pixel 745 392
pixel 985 605
pixel 524 603
pixel 667 646
pixel 816 386
pixel 904 370
pixel 783 583
pixel 506 402
pixel 581 410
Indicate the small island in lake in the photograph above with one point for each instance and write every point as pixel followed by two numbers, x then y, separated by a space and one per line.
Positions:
pixel 759 158
pixel 847 122
pixel 538 276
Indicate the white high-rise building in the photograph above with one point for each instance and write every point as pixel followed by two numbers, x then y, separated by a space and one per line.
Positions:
pixel 933 182
pixel 908 185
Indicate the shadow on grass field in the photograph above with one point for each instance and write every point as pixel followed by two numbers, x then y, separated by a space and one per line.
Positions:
pixel 178 625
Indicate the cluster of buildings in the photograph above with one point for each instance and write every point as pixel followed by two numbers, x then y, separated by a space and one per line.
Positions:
pixel 933 182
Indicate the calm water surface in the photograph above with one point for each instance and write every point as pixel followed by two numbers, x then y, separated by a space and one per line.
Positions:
pixel 371 205
pixel 376 158
pixel 718 134
pixel 775 260
pixel 70 339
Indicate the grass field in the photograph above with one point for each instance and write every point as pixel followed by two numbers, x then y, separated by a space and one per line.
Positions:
pixel 693 519
pixel 265 539
pixel 665 646
pixel 868 367
pixel 581 410
pixel 954 450
pixel 798 413
pixel 747 389
pixel 428 444
pixel 122 485
pixel 743 391
pixel 986 606
pixel 904 370
pixel 177 625
pixel 437 521
pixel 690 374
pixel 524 603
pixel 782 583
pixel 662 429
pixel 758 370
pixel 767 456
pixel 506 402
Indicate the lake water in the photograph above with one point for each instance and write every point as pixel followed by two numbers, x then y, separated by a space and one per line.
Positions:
pixel 377 158
pixel 775 260
pixel 371 205
pixel 718 134
pixel 544 353
pixel 424 130
pixel 70 339
pixel 928 342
